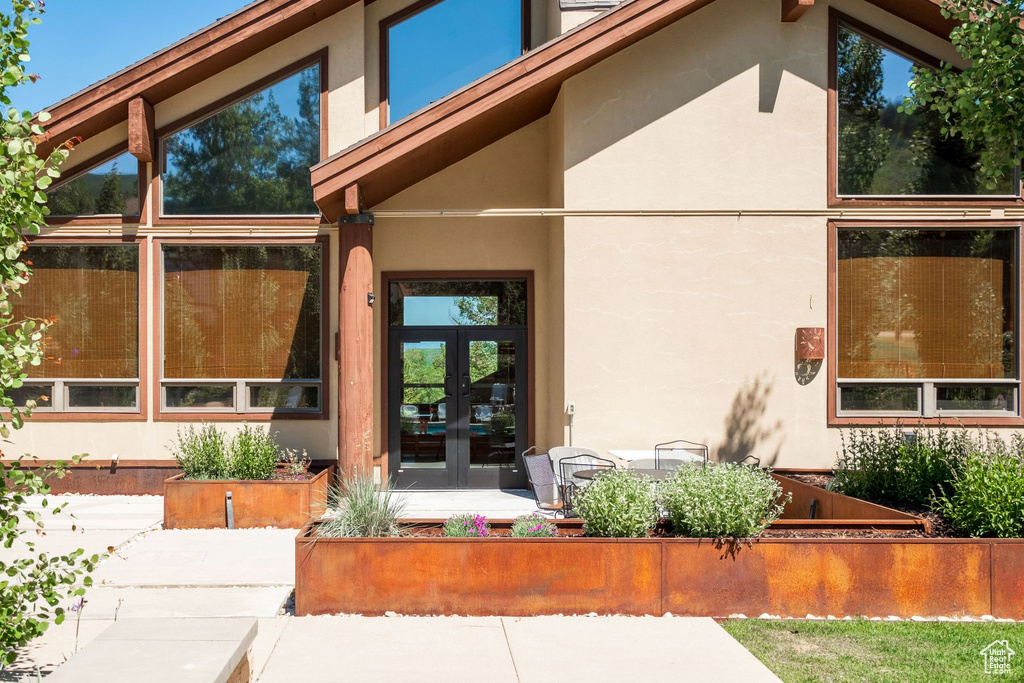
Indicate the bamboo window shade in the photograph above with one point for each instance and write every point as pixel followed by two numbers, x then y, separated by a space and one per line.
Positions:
pixel 93 291
pixel 937 312
pixel 242 312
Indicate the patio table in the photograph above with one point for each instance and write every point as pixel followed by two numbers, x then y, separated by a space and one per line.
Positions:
pixel 657 475
pixel 675 454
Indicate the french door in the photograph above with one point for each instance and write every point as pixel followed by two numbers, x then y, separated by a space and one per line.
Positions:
pixel 457 411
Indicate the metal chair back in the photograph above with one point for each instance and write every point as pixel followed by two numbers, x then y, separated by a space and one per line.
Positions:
pixel 673 454
pixel 540 473
pixel 560 453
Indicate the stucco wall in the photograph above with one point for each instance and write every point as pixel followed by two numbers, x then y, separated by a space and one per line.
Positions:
pixel 510 173
pixel 683 326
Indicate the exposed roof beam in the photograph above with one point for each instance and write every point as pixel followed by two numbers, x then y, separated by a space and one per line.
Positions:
pixel 180 66
pixel 792 10
pixel 142 129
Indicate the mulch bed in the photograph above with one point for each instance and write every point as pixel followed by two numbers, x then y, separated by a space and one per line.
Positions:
pixel 941 527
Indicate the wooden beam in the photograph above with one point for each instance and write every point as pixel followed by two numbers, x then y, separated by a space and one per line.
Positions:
pixel 142 130
pixel 355 352
pixel 792 10
pixel 353 199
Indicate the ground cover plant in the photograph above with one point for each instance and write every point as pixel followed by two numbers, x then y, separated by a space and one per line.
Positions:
pixel 720 501
pixel 252 454
pixel 873 651
pixel 533 526
pixel 359 508
pixel 618 504
pixel 467 525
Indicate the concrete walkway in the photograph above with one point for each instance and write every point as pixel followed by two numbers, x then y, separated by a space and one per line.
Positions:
pixel 181 574
pixel 506 650
pixel 492 504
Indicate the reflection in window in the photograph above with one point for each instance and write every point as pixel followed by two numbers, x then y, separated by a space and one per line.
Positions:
pixel 249 159
pixel 447 46
pixel 458 302
pixel 111 188
pixel 244 313
pixel 884 152
pixel 934 305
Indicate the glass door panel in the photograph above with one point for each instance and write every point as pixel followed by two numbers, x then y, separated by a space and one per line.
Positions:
pixel 491 417
pixel 421 420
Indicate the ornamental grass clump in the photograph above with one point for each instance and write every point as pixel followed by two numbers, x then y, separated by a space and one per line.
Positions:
pixel 533 526
pixel 905 467
pixel 722 501
pixel 358 508
pixel 985 499
pixel 467 525
pixel 618 504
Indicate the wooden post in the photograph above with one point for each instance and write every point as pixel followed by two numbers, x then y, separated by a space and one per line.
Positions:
pixel 355 351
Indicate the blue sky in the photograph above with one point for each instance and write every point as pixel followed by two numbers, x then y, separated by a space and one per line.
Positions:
pixel 84 41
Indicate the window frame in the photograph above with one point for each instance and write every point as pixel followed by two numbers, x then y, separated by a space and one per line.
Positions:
pixel 318 58
pixel 240 411
pixel 927 414
pixel 838 19
pixel 59 412
pixel 383 101
pixel 103 219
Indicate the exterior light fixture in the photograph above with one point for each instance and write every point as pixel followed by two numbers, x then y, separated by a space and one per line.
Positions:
pixel 810 344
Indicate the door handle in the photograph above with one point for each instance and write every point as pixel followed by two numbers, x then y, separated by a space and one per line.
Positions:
pixel 465 385
pixel 447 386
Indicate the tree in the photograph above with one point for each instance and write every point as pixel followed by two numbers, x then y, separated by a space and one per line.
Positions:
pixel 864 143
pixel 111 199
pixel 984 103
pixel 34 585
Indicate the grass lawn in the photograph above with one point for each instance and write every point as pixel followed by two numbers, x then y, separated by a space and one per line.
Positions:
pixel 877 651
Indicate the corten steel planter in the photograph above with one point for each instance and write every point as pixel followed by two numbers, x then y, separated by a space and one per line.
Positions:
pixel 285 504
pixel 693 577
pixel 833 510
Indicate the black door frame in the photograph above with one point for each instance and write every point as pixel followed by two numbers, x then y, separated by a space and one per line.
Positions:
pixel 457 473
pixel 387 277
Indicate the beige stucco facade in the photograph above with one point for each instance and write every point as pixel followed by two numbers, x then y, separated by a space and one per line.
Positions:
pixel 675 324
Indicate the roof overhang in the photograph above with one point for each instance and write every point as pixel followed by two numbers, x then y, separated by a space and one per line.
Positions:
pixel 509 98
pixel 215 48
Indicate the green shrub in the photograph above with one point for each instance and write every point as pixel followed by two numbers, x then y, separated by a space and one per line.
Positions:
pixel 200 453
pixel 886 466
pixel 467 525
pixel 253 454
pixel 618 504
pixel 986 495
pixel 719 501
pixel 358 508
pixel 533 526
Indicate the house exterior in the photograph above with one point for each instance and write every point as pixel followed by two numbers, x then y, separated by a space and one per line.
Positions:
pixel 698 219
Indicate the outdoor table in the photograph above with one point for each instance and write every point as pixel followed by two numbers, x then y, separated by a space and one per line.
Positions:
pixel 657 475
pixel 674 453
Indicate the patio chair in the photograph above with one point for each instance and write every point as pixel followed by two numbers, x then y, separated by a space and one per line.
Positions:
pixel 683 451
pixel 540 473
pixel 560 453
pixel 572 464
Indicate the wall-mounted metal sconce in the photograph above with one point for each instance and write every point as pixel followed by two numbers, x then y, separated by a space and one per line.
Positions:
pixel 810 344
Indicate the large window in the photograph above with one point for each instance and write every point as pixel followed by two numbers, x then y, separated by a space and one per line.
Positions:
pixel 882 152
pixel 92 350
pixel 242 328
pixel 443 47
pixel 926 322
pixel 252 158
pixel 110 188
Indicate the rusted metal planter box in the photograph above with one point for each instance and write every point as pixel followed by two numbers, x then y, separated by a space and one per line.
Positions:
pixel 785 577
pixel 285 504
